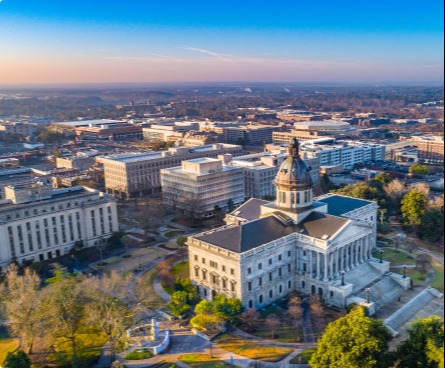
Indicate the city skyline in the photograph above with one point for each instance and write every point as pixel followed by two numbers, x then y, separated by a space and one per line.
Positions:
pixel 86 42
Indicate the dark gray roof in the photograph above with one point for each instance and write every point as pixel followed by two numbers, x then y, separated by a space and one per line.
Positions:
pixel 251 210
pixel 339 205
pixel 250 235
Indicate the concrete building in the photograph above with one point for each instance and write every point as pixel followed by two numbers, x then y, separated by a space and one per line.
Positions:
pixel 23 129
pixel 260 171
pixel 250 134
pixel 345 153
pixel 113 132
pixel 39 223
pixel 71 126
pixel 79 162
pixel 431 150
pixel 314 130
pixel 134 174
pixel 201 186
pixel 162 132
pixel 316 246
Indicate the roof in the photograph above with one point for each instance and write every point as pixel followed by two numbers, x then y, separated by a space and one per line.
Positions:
pixel 339 205
pixel 251 210
pixel 253 234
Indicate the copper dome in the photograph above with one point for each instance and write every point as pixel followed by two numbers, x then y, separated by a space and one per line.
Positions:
pixel 294 175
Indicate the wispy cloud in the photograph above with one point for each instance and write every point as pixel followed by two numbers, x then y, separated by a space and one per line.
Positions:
pixel 209 53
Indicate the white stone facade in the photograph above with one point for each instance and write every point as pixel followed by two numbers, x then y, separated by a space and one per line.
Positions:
pixel 48 226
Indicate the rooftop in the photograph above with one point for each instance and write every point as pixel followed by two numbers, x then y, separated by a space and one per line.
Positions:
pixel 340 205
pixel 253 234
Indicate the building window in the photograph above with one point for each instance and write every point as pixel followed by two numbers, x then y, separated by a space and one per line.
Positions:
pixel 249 286
pixel 232 271
pixel 289 268
pixel 280 257
pixel 224 283
pixel 261 299
pixel 196 258
pixel 270 276
pixel 213 264
pixel 270 261
pixel 233 286
pixel 249 271
pixel 196 272
pixel 281 289
pixel 250 303
pixel 11 241
pixel 289 284
pixel 270 294
pixel 203 261
pixel 289 253
pixel 260 281
pixel 21 244
pixel 303 285
pixel 260 266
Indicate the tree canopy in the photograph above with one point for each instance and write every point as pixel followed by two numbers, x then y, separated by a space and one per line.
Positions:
pixel 414 205
pixel 354 341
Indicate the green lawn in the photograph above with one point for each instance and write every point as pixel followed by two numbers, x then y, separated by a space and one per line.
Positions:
pixel 438 276
pixel 252 350
pixel 182 270
pixel 7 346
pixel 304 357
pixel 203 361
pixel 396 259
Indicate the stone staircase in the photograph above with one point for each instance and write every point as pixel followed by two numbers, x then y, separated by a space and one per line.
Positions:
pixel 384 291
pixel 410 309
pixel 362 276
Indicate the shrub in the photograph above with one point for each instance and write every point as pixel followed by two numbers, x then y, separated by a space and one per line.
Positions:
pixel 138 355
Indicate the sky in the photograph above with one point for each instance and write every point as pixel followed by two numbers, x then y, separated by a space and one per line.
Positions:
pixel 96 41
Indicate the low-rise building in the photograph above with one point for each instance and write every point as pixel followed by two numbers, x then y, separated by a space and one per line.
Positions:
pixel 23 129
pixel 431 150
pixel 202 186
pixel 39 223
pixel 162 132
pixel 79 162
pixel 114 132
pixel 131 175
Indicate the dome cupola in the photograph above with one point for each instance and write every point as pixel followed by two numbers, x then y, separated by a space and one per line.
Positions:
pixel 294 181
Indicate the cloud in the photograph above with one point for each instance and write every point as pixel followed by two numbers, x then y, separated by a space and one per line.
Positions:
pixel 210 53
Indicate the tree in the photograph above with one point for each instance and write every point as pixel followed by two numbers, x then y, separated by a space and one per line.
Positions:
pixel 181 240
pixel 432 228
pixel 206 319
pixel 437 204
pixel 23 305
pixel 178 304
pixel 17 360
pixel 425 339
pixel 294 310
pixel 353 341
pixel 382 179
pixel 423 261
pixel 414 206
pixel 419 170
pixel 423 188
pixel 65 319
pixel 360 190
pixel 272 323
pixel 250 319
pixel 229 309
pixel 395 191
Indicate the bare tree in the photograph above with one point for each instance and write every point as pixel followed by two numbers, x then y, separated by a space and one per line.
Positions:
pixel 423 188
pixel 423 261
pixel 250 319
pixel 395 191
pixel 437 204
pixel 272 323
pixel 23 306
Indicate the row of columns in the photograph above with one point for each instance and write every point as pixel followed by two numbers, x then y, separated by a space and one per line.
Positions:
pixel 327 266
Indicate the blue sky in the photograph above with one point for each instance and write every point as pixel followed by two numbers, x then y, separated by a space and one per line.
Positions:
pixel 155 41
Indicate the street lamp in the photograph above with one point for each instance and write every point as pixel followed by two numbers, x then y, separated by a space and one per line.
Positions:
pixel 211 350
pixel 342 273
pixel 404 272
pixel 381 251
pixel 368 292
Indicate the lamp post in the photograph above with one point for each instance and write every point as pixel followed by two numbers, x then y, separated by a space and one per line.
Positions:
pixel 381 251
pixel 211 350
pixel 368 291
pixel 404 272
pixel 342 273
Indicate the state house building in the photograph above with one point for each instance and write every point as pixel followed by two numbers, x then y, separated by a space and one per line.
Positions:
pixel 316 246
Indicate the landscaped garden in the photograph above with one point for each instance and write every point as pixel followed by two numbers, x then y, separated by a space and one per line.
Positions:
pixel 397 258
pixel 250 349
pixel 203 361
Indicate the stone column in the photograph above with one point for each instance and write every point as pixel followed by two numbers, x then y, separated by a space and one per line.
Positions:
pixel 318 265
pixel 325 270
pixel 310 264
pixel 340 259
pixel 332 264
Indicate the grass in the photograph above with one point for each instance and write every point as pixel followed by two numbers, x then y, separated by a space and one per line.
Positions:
pixel 138 355
pixel 172 233
pixel 203 361
pixel 396 259
pixel 252 350
pixel 7 346
pixel 145 291
pixel 181 270
pixel 304 357
pixel 286 333
pixel 438 275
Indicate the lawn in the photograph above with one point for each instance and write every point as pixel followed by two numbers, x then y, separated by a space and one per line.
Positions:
pixel 145 292
pixel 252 350
pixel 7 346
pixel 396 259
pixel 203 361
pixel 438 275
pixel 286 333
pixel 182 270
pixel 304 357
